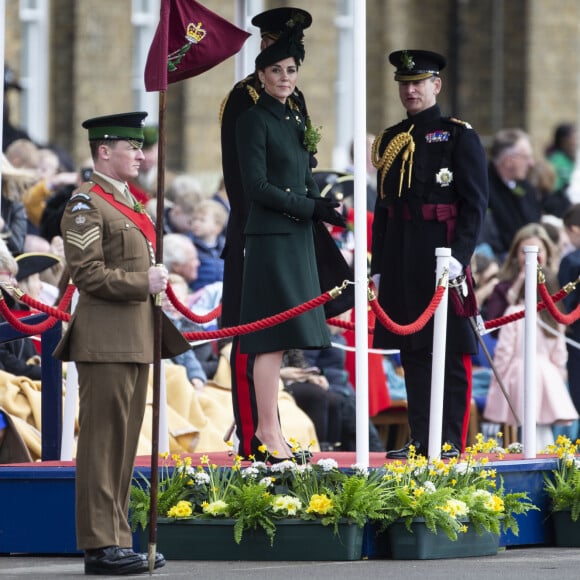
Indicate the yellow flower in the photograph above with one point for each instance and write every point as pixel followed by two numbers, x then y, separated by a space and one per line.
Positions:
pixel 455 508
pixel 215 508
pixel 494 504
pixel 286 503
pixel 182 509
pixel 262 448
pixel 319 504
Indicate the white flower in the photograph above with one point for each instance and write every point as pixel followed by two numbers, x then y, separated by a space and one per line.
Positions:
pixel 463 467
pixel 283 466
pixel 303 468
pixel 429 487
pixel 267 481
pixel 361 470
pixel 259 465
pixel 327 464
pixel 250 472
pixel 201 478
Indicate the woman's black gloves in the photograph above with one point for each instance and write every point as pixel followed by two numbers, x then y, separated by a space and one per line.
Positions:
pixel 324 211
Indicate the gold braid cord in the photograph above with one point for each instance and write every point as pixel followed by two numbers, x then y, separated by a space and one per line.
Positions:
pixel 401 142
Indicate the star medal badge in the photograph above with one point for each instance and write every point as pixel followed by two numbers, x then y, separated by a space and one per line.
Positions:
pixel 444 177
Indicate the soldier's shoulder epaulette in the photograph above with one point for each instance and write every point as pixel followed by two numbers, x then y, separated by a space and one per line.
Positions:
pixel 241 90
pixel 456 121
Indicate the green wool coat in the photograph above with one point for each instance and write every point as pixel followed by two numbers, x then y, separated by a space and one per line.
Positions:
pixel 279 265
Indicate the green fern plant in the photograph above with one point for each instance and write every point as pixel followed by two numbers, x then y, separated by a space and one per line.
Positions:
pixel 563 484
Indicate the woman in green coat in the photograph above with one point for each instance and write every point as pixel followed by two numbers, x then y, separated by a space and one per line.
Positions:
pixel 279 264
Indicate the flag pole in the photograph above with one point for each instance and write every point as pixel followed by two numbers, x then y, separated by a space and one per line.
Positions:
pixel 158 321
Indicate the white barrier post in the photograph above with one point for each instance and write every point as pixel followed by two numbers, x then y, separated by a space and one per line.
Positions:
pixel 71 396
pixel 438 368
pixel 530 343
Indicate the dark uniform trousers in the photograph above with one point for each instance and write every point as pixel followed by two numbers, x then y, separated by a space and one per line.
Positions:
pixel 104 473
pixel 243 396
pixel 457 394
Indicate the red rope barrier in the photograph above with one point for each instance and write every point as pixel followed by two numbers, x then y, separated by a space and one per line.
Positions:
pixel 346 324
pixel 67 297
pixel 497 322
pixel 264 323
pixel 21 326
pixel 406 329
pixel 556 314
pixel 182 309
pixel 53 312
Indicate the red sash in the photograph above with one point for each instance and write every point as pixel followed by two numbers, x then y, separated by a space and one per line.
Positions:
pixel 141 220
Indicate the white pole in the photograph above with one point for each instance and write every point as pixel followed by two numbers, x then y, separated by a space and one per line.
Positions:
pixel 530 343
pixel 438 369
pixel 360 232
pixel 70 402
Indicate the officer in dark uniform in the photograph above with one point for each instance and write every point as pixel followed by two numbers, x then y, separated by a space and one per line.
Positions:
pixel 432 192
pixel 243 96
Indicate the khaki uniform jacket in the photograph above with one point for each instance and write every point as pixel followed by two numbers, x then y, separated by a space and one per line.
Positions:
pixel 108 257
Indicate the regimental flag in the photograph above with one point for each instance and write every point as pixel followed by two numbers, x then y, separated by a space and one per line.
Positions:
pixel 189 40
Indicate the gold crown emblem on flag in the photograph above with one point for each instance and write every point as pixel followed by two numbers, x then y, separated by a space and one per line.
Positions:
pixel 195 33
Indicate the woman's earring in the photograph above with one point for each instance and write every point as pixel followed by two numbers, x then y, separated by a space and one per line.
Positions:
pixel 262 85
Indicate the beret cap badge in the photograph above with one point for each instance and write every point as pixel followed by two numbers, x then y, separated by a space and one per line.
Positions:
pixel 407 61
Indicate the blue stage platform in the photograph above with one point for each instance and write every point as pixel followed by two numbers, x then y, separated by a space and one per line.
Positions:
pixel 37 514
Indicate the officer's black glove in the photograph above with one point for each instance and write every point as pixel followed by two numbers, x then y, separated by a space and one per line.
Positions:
pixel 324 211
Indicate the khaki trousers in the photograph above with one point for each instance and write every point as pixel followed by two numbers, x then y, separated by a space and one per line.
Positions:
pixel 112 399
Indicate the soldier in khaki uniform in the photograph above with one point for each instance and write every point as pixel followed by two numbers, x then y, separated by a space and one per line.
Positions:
pixel 109 246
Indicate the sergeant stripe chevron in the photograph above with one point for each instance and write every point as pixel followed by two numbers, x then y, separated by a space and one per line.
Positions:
pixel 84 240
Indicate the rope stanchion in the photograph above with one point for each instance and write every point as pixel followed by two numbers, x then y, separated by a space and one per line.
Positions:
pixel 497 322
pixel 185 311
pixel 58 313
pixel 346 324
pixel 407 329
pixel 558 316
pixel 22 327
pixel 270 320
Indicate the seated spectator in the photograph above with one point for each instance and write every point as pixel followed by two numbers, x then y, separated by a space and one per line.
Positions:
pixel 51 181
pixel 188 359
pixel 222 197
pixel 509 290
pixel 146 182
pixel 20 357
pixel 331 363
pixel 513 202
pixel 310 390
pixel 13 221
pixel 209 220
pixel 179 213
pixel 554 402
pixel 180 257
pixel 562 155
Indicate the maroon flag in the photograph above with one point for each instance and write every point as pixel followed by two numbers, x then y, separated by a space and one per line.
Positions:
pixel 189 40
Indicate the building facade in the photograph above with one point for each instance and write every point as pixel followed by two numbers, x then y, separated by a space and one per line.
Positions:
pixel 511 63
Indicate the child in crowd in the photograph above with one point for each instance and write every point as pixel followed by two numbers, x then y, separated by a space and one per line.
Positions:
pixel 209 219
pixel 195 372
pixel 554 405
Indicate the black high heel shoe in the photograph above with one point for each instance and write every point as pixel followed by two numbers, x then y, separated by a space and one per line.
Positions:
pixel 265 456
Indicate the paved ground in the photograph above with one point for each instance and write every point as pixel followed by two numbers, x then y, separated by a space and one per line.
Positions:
pixel 537 563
